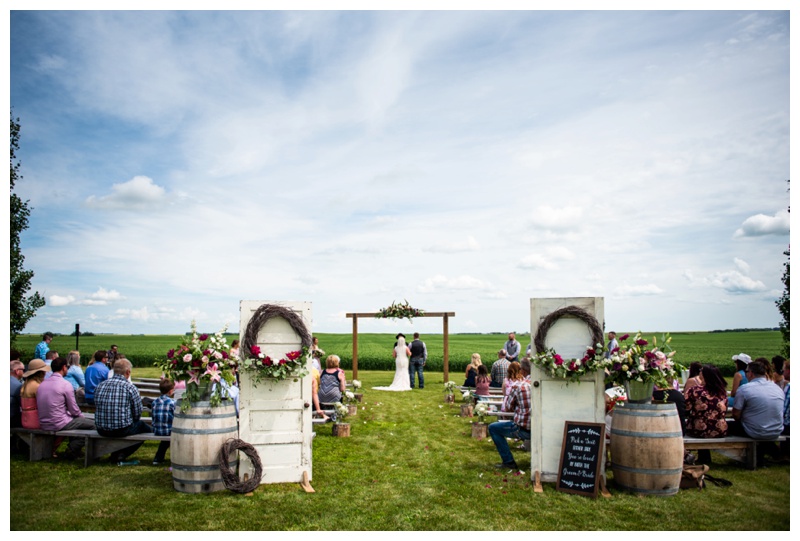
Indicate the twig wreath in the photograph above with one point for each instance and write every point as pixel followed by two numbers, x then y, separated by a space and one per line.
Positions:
pixel 572 369
pixel 294 362
pixel 231 480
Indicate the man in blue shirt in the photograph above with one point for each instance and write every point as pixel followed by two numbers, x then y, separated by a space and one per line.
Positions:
pixel 95 373
pixel 43 347
pixel 758 408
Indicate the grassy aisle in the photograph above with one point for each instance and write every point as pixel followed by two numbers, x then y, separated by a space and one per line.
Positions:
pixel 410 464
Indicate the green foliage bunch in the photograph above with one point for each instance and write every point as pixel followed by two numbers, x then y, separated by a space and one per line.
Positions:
pixel 23 306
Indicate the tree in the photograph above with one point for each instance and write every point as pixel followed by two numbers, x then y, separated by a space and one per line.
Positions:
pixel 783 303
pixel 23 306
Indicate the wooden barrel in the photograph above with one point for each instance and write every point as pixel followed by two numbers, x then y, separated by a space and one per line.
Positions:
pixel 647 448
pixel 197 437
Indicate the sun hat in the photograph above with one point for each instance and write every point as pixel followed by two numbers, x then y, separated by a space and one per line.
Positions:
pixel 744 357
pixel 36 365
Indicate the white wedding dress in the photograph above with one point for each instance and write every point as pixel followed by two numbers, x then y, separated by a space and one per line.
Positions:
pixel 401 380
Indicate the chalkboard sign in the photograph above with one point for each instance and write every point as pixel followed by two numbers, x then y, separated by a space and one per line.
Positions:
pixel 581 453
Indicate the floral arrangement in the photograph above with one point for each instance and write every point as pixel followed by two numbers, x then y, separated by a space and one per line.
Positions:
pixel 399 311
pixel 642 361
pixel 341 412
pixel 466 396
pixel 262 366
pixel 356 384
pixel 203 362
pixel 349 397
pixel 481 409
pixel 572 369
pixel 450 387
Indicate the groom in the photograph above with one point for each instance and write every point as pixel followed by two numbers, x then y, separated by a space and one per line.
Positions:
pixel 419 355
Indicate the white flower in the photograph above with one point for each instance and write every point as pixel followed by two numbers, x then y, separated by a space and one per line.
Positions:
pixel 356 384
pixel 187 358
pixel 349 395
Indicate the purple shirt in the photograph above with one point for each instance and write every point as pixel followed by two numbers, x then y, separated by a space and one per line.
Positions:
pixel 55 400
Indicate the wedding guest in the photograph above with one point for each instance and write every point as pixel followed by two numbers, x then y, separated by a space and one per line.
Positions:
pixel 316 353
pixel 758 410
pixel 163 412
pixel 519 401
pixel 706 408
pixel 500 369
pixel 785 444
pixel 740 377
pixel 769 373
pixel 75 375
pixel 514 377
pixel 612 344
pixel 33 378
pixel 17 369
pixel 695 376
pixel 512 348
pixel 482 382
pixel 234 352
pixel 58 410
pixel 332 381
pixel 472 370
pixel 112 353
pixel 95 373
pixel 43 347
pixel 778 377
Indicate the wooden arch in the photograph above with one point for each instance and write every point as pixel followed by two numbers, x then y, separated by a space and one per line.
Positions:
pixel 445 330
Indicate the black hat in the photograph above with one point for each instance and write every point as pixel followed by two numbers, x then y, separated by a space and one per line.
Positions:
pixel 399 335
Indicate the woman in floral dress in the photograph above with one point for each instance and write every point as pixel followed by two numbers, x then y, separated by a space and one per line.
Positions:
pixel 706 406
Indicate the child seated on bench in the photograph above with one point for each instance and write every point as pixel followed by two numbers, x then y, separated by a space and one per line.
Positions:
pixel 163 413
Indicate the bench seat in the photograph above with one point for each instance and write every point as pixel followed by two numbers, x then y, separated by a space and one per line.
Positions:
pixel 746 446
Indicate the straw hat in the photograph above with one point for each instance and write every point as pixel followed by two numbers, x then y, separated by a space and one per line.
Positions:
pixel 36 365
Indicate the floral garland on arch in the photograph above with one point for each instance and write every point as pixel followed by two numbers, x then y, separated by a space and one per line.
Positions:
pixel 399 311
pixel 292 365
pixel 203 362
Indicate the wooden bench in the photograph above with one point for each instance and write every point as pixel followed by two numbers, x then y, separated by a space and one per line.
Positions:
pixel 40 442
pixel 493 391
pixel 745 446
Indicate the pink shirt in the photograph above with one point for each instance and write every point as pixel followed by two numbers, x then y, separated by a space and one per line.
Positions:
pixel 55 400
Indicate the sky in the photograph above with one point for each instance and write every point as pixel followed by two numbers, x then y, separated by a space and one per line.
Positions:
pixel 177 162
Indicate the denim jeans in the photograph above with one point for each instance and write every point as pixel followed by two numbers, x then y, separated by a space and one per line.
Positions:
pixel 501 430
pixel 415 367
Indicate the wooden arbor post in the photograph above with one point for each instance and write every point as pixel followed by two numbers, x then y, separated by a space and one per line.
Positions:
pixel 445 330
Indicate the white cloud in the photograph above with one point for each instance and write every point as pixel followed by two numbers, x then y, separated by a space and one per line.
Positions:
pixel 548 260
pixel 464 282
pixel 469 245
pixel 638 290
pixel 735 282
pixel 558 219
pixel 761 225
pixel 103 294
pixel 59 300
pixel 138 193
pixel 742 265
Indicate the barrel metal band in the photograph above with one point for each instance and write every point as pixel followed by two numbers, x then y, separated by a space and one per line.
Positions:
pixel 650 413
pixel 198 482
pixel 224 430
pixel 629 433
pixel 210 467
pixel 655 492
pixel 215 416
pixel 670 471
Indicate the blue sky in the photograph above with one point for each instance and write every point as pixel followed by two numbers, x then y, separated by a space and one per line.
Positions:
pixel 180 161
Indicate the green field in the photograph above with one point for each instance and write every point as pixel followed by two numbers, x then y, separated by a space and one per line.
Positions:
pixel 374 350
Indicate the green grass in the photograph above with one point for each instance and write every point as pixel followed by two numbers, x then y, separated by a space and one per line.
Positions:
pixel 374 350
pixel 410 464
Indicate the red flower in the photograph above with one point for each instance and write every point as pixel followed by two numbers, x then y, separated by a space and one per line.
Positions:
pixel 558 360
pixel 267 361
pixel 294 355
pixel 170 354
pixel 283 361
pixel 255 351
pixel 624 337
pixel 224 354
pixel 203 337
pixel 641 342
pixel 590 352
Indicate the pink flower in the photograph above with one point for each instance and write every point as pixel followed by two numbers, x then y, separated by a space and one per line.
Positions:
pixel 213 372
pixel 187 358
pixel 558 360
pixel 193 376
pixel 170 354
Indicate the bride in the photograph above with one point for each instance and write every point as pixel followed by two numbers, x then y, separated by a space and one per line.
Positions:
pixel 401 353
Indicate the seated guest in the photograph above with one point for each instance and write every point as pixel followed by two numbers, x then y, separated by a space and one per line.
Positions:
pixel 482 382
pixel 695 376
pixel 740 377
pixel 315 393
pixel 58 409
pixel 163 412
pixel 769 373
pixel 777 365
pixel 472 370
pixel 706 407
pixel 514 377
pixel 758 409
pixel 75 375
pixel 518 400
pixel 95 373
pixel 785 444
pixel 670 394
pixel 500 369
pixel 17 369
pixel 48 359
pixel 332 381
pixel 33 378
pixel 119 409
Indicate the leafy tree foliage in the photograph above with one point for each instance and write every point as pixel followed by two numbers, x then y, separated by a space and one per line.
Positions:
pixel 783 306
pixel 23 306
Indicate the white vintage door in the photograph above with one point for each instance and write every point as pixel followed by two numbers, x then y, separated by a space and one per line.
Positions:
pixel 275 416
pixel 553 401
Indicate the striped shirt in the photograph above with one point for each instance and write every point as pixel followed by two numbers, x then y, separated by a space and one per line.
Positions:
pixel 117 403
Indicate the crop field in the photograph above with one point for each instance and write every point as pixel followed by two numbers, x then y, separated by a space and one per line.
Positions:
pixel 375 350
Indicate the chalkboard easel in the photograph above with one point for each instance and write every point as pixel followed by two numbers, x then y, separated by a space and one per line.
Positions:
pixel 582 450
